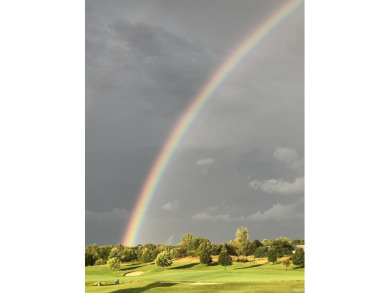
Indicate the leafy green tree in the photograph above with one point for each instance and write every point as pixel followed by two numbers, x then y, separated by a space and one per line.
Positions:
pixel 188 240
pixel 272 255
pixel 242 241
pixel 100 262
pixel 174 252
pixel 230 247
pixel 261 251
pixel 255 244
pixel 164 259
pixel 114 263
pixel 216 249
pixel 149 246
pixel 147 255
pixel 114 253
pixel 298 242
pixel 91 254
pixel 104 252
pixel 267 242
pixel 128 254
pixel 204 251
pixel 90 258
pixel 286 262
pixel 139 254
pixel 120 247
pixel 299 257
pixel 225 259
pixel 283 246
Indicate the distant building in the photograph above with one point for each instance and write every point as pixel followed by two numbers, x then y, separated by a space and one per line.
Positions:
pixel 299 246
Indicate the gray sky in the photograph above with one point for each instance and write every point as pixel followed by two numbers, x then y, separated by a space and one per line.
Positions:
pixel 242 161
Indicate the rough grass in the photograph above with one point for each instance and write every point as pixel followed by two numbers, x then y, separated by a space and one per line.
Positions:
pixel 255 276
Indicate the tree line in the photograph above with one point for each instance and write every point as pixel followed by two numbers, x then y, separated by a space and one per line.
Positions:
pixel 162 254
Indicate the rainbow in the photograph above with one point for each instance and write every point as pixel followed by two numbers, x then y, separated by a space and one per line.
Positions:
pixel 191 113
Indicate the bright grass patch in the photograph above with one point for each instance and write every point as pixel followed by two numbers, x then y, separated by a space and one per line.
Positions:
pixel 254 276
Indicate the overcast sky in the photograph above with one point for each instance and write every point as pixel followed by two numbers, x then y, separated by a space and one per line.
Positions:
pixel 242 161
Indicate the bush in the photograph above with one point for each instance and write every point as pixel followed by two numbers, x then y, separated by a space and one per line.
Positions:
pixel 174 252
pixel 299 257
pixel 90 258
pixel 205 253
pixel 100 261
pixel 128 254
pixel 272 255
pixel 225 259
pixel 114 263
pixel 216 249
pixel 147 255
pixel 164 260
pixel 192 253
pixel 241 259
pixel 283 246
pixel 261 251
pixel 286 262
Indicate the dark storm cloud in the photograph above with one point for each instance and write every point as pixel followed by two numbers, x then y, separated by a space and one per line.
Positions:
pixel 240 163
pixel 139 79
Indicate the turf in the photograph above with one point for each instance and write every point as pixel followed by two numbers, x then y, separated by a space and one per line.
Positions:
pixel 250 277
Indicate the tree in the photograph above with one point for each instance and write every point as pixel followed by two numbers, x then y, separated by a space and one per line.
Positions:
pixel 216 249
pixel 104 252
pixel 299 257
pixel 225 259
pixel 114 253
pixel 204 251
pixel 90 258
pixel 91 254
pixel 286 262
pixel 283 246
pixel 254 245
pixel 261 251
pixel 267 242
pixel 230 247
pixel 114 263
pixel 272 255
pixel 128 254
pixel 242 241
pixel 163 259
pixel 147 255
pixel 298 242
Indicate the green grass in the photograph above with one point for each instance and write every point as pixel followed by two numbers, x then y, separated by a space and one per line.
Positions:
pixel 237 278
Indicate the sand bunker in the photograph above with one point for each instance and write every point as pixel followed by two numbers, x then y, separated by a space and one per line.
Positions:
pixel 131 274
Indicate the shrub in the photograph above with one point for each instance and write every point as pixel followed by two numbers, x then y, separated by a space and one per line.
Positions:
pixel 225 259
pixel 114 263
pixel 100 261
pixel 286 262
pixel 205 253
pixel 90 259
pixel 164 260
pixel 241 259
pixel 299 257
pixel 283 246
pixel 192 253
pixel 272 255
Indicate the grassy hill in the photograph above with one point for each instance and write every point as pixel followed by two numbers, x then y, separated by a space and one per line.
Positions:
pixel 188 275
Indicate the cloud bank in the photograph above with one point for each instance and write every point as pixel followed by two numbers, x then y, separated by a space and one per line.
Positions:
pixel 279 186
pixel 205 162
pixel 277 212
pixel 170 206
pixel 288 156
